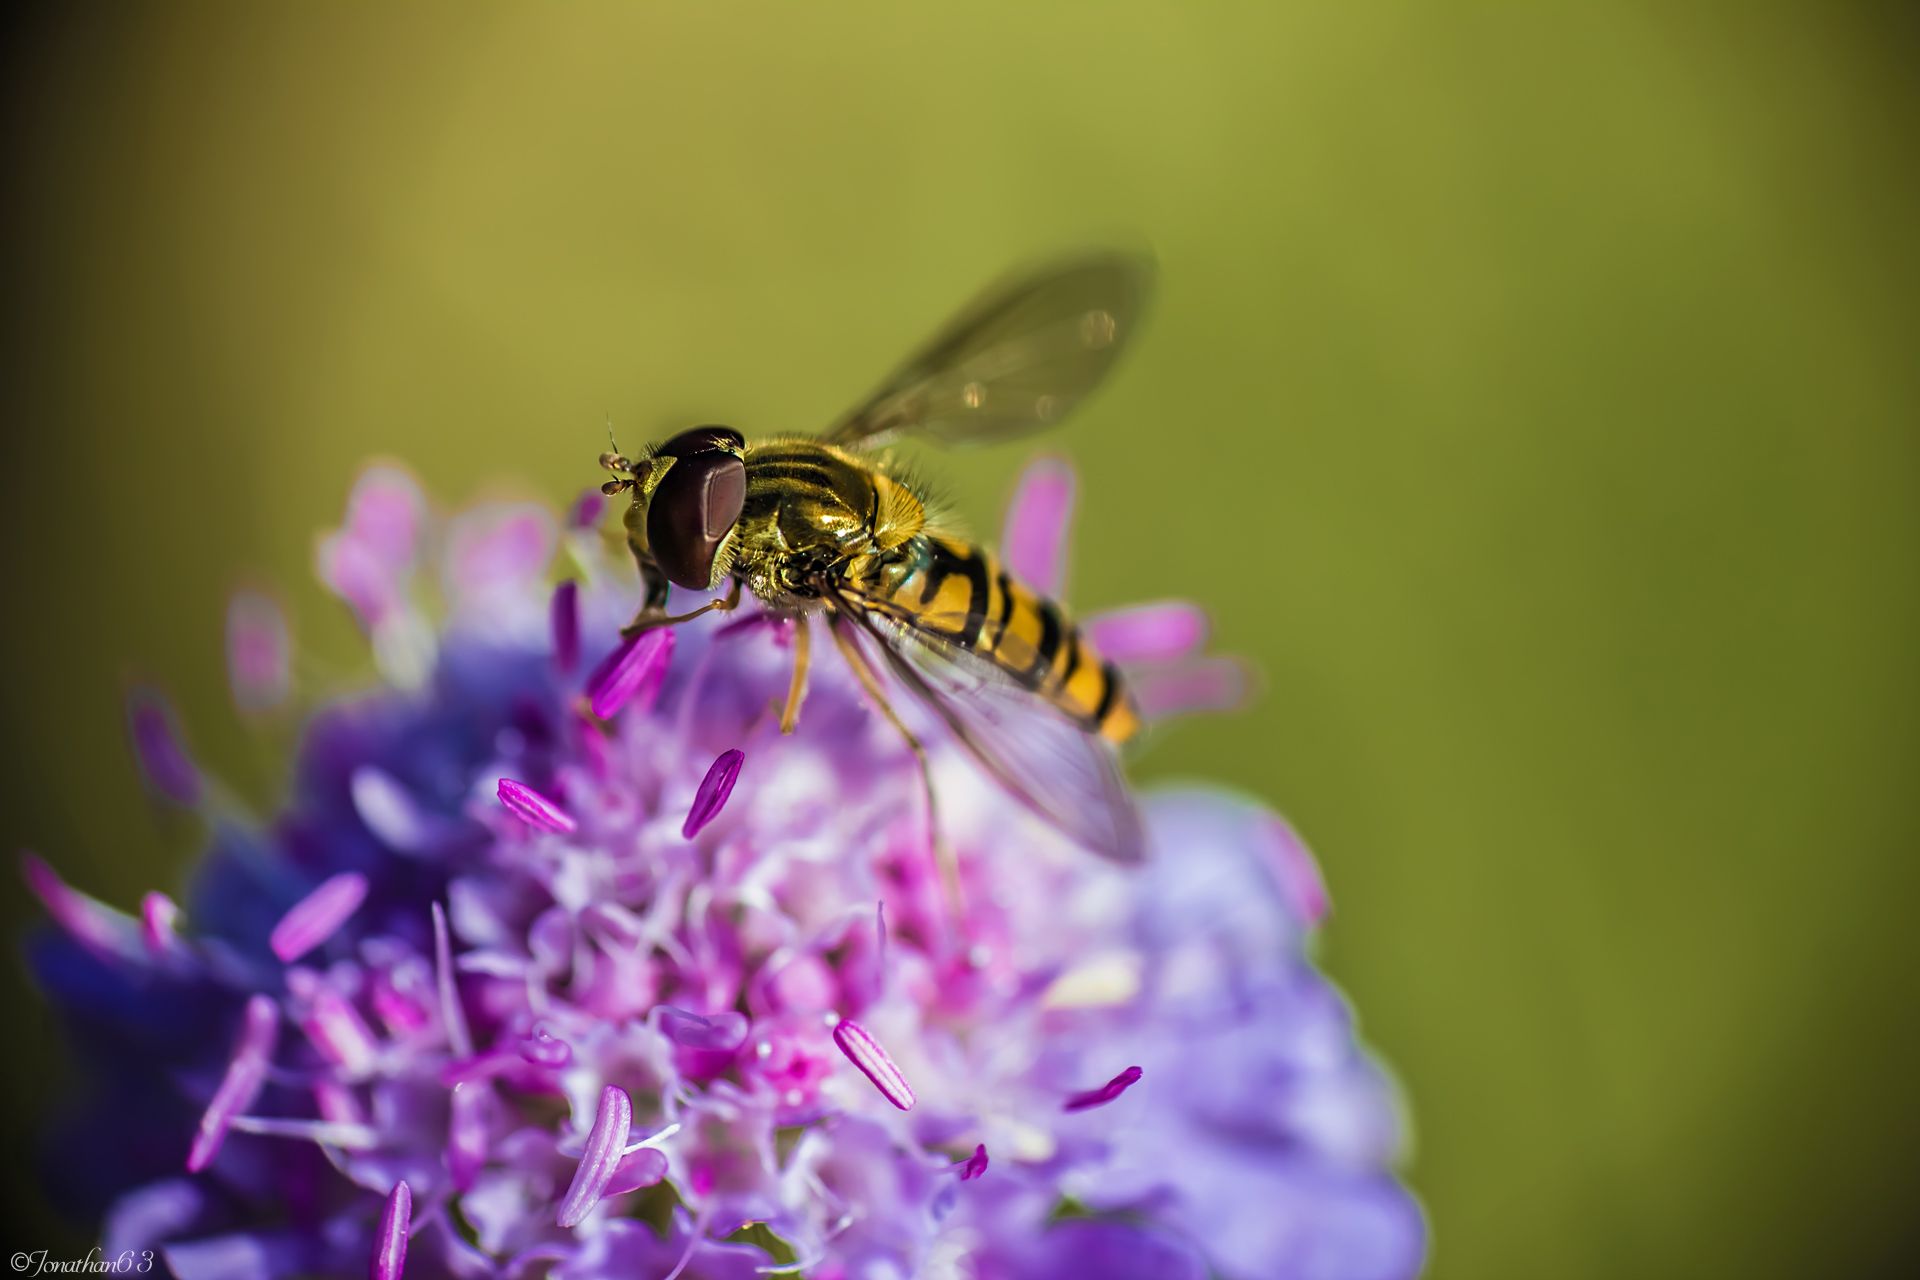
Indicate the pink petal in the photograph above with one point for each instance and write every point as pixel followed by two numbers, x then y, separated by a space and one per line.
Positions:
pixel 1299 874
pixel 637 1169
pixel 159 922
pixel 1035 541
pixel 499 548
pixel 1164 631
pixel 87 920
pixel 974 1165
pixel 1203 684
pixel 163 759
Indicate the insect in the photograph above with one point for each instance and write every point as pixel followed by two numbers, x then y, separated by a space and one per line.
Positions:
pixel 827 525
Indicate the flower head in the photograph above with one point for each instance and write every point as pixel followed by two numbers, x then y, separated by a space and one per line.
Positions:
pixel 531 976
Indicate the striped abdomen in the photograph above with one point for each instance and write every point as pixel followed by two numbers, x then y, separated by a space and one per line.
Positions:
pixel 948 588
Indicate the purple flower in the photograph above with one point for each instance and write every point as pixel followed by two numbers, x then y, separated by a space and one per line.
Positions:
pixel 478 1002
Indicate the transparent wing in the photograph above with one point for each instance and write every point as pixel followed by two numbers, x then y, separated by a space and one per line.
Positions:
pixel 1067 776
pixel 1019 359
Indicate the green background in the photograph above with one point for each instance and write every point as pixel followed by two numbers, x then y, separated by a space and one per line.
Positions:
pixel 1532 391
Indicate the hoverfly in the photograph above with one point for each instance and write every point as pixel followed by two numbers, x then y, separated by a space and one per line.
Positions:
pixel 824 525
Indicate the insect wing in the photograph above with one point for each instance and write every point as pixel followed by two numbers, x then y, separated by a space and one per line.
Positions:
pixel 1018 360
pixel 1069 777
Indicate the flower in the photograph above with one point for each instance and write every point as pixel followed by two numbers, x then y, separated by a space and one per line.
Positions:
pixel 560 959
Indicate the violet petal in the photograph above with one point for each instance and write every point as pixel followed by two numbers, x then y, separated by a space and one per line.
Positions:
pixel 713 792
pixel 318 916
pixel 605 1142
pixel 459 1039
pixel 865 1053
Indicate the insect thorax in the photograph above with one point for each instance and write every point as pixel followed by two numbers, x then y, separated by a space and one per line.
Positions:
pixel 811 507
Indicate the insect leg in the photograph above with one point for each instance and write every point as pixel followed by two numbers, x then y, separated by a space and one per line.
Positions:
pixel 653 615
pixel 843 636
pixel 797 691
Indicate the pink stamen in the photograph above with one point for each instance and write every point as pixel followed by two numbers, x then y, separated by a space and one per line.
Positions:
pixel 1036 531
pixel 452 1017
pixel 1164 631
pixel 332 1024
pixel 974 1165
pixel 587 509
pixel 390 1246
pixel 634 673
pixel 467 1132
pixel 533 808
pixel 637 1169
pixel 159 922
pixel 163 761
pixel 1105 1093
pixel 544 1049
pixel 605 1143
pixel 724 1031
pixel 565 618
pixel 90 922
pixel 246 1072
pixel 865 1053
pixel 713 792
pixel 318 916
pixel 259 661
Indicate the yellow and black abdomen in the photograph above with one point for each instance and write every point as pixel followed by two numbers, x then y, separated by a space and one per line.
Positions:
pixel 951 589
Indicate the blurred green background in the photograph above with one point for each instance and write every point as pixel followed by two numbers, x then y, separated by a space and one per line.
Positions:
pixel 1532 391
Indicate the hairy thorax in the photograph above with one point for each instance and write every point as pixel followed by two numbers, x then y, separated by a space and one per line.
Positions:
pixel 810 507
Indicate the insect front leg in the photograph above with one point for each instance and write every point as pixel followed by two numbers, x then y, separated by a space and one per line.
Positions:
pixel 797 690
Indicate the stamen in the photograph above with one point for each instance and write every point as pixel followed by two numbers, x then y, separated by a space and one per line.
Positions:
pixel 974 1165
pixel 533 808
pixel 565 617
pixel 1037 519
pixel 639 1168
pixel 544 1049
pixel 634 672
pixel 246 1072
pixel 1105 1093
pixel 163 761
pixel 605 1142
pixel 865 1053
pixel 328 1133
pixel 318 916
pixel 388 809
pixel 89 921
pixel 451 1015
pixel 467 1132
pixel 159 922
pixel 1164 631
pixel 587 509
pixel 259 662
pixel 713 792
pixel 722 1031
pixel 390 1246
pixel 332 1024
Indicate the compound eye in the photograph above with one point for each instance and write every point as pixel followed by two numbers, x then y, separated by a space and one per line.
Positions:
pixel 698 440
pixel 691 513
